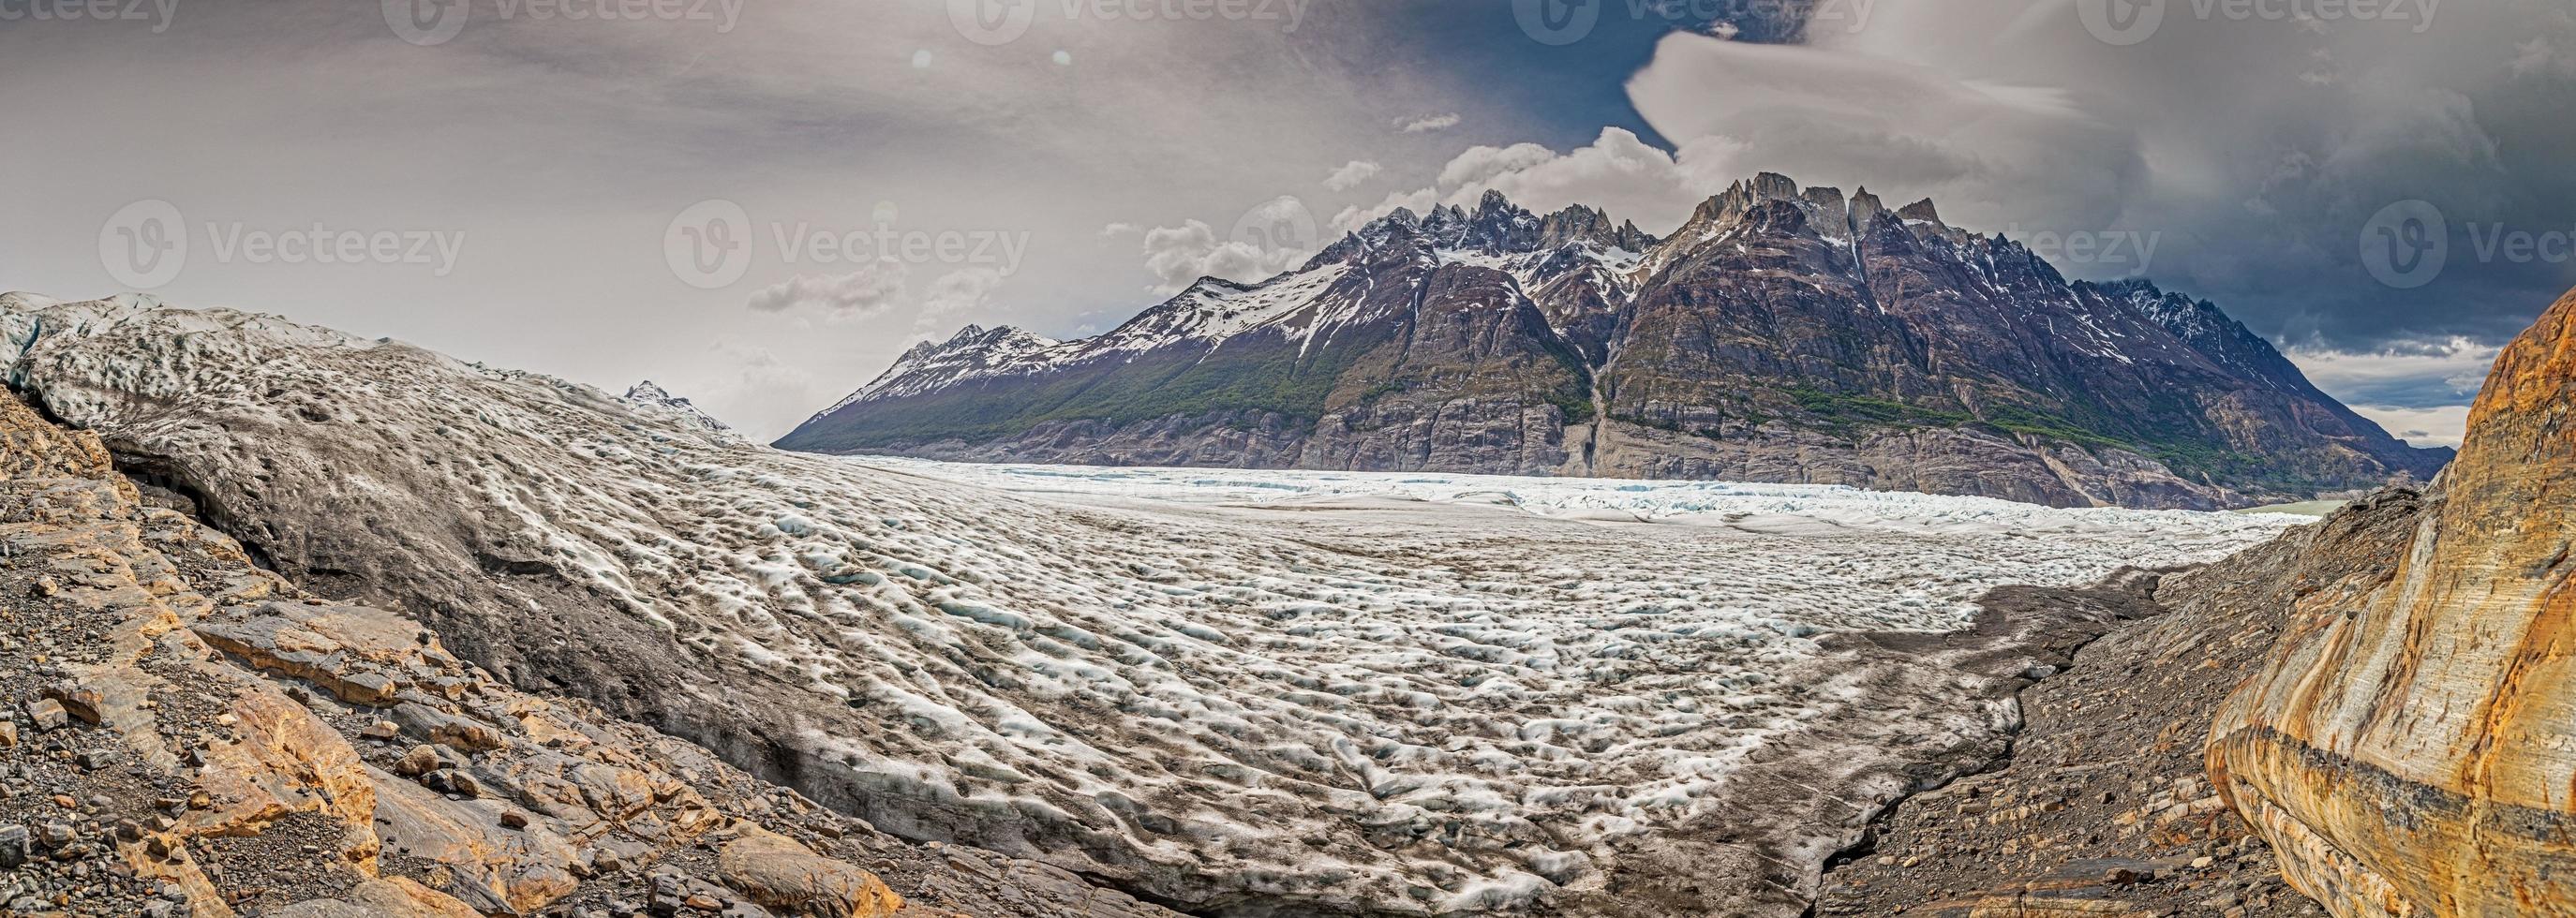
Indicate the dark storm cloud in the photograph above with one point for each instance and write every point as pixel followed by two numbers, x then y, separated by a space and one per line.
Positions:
pixel 2265 146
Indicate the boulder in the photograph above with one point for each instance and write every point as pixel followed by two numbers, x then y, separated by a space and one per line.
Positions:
pixel 47 714
pixel 784 877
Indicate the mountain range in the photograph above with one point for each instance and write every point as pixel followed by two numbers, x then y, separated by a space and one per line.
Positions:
pixel 1781 334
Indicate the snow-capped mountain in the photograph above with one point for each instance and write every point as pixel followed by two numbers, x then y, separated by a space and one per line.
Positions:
pixel 1437 705
pixel 652 397
pixel 1781 334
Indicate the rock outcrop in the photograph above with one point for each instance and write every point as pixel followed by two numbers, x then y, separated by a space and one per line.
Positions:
pixel 649 397
pixel 1781 335
pixel 2105 807
pixel 188 734
pixel 2411 749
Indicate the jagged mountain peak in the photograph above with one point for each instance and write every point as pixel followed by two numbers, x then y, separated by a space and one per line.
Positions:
pixel 980 337
pixel 1401 217
pixel 649 390
pixel 1744 196
pixel 1828 212
pixel 1746 192
pixel 2186 317
pixel 651 397
pixel 1496 227
pixel 1865 208
pixel 1578 224
pixel 1212 284
pixel 2206 328
pixel 974 351
pixel 1826 199
pixel 1773 185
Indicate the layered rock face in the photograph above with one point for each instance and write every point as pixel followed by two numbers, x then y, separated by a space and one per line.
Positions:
pixel 2411 749
pixel 1781 335
pixel 188 734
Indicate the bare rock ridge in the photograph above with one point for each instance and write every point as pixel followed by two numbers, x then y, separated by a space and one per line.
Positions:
pixel 1782 334
pixel 187 734
pixel 2411 749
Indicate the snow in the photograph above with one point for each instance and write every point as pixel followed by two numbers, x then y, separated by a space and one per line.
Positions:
pixel 1212 311
pixel 1425 690
pixel 1209 312
pixel 1609 268
pixel 974 353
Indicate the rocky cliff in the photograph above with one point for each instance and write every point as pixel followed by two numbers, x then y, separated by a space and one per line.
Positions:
pixel 1781 335
pixel 2411 749
pixel 186 733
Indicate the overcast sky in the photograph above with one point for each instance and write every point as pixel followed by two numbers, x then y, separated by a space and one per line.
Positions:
pixel 556 184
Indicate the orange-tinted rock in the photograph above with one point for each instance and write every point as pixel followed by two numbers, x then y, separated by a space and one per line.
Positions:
pixel 2412 750
pixel 388 898
pixel 785 877
pixel 33 449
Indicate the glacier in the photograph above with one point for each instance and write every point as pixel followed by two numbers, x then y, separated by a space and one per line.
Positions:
pixel 1241 693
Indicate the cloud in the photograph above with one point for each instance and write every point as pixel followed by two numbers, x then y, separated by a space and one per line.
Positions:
pixel 2443 426
pixel 871 288
pixel 2403 375
pixel 1268 241
pixel 2419 390
pixel 956 298
pixel 1478 164
pixel 809 113
pixel 1350 175
pixel 749 387
pixel 1993 153
pixel 1431 123
pixel 1618 172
